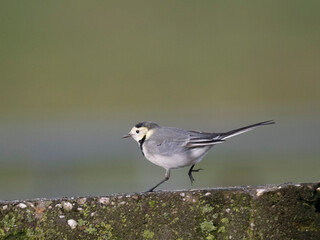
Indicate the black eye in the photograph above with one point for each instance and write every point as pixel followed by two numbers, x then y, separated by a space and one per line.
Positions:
pixel 137 131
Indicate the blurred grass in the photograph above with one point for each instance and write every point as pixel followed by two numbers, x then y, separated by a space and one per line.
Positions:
pixel 63 57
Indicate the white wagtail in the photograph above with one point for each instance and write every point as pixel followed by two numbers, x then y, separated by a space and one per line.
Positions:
pixel 172 148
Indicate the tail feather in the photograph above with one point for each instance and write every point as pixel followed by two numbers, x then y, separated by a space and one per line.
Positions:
pixel 204 143
pixel 238 131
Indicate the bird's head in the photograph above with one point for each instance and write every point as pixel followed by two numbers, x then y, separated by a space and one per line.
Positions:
pixel 141 130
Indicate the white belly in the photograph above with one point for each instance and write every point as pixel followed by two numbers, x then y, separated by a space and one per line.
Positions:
pixel 177 160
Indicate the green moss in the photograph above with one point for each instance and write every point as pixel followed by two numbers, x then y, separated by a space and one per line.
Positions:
pixel 176 219
pixel 81 222
pixel 9 222
pixel 222 229
pixel 147 234
pixel 86 210
pixel 137 208
pixel 105 231
pixel 124 220
pixel 2 232
pixel 215 216
pixel 30 233
pixel 207 209
pixel 152 203
pixel 308 228
pixel 30 217
pixel 91 230
pixel 210 237
pixel 207 226
pixel 147 217
pixel 225 220
pixel 236 209
pixel 39 233
pixel 50 234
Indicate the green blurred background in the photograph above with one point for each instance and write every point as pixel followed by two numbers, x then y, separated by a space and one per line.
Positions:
pixel 77 75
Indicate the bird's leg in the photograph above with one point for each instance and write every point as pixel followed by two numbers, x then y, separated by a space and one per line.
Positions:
pixel 166 178
pixel 191 170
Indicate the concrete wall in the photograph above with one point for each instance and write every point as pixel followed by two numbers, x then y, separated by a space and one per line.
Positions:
pixel 288 211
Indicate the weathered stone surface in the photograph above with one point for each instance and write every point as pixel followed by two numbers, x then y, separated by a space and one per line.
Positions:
pixel 288 211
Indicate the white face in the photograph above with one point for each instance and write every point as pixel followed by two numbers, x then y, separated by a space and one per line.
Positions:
pixel 138 133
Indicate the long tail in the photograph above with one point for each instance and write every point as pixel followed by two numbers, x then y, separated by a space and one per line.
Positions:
pixel 232 133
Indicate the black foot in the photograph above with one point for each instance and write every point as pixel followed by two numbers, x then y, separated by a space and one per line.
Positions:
pixel 191 170
pixel 150 190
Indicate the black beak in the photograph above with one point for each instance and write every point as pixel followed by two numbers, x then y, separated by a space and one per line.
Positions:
pixel 126 136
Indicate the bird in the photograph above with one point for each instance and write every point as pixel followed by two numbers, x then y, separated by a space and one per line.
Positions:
pixel 172 148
